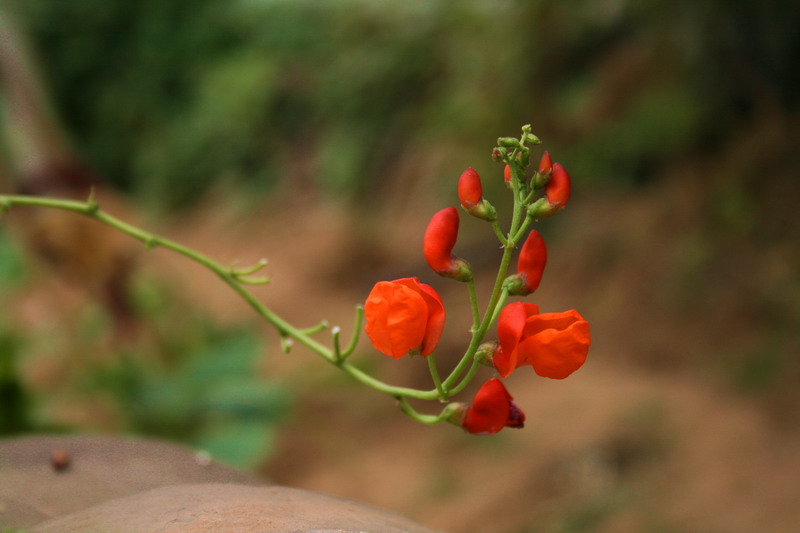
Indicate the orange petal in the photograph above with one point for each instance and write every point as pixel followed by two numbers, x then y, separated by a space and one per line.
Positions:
pixel 557 345
pixel 492 410
pixel 510 327
pixel 436 315
pixel 396 316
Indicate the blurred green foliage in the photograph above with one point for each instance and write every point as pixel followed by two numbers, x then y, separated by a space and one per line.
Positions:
pixel 169 98
pixel 211 397
pixel 13 400
pixel 185 378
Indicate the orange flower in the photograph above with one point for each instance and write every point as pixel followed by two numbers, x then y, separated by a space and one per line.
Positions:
pixel 492 409
pixel 530 266
pixel 404 315
pixel 546 163
pixel 470 190
pixel 554 344
pixel 558 188
pixel 437 246
pixel 470 194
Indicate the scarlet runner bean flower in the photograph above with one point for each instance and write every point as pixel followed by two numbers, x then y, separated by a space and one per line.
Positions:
pixel 546 163
pixel 404 315
pixel 440 238
pixel 554 344
pixel 470 194
pixel 470 190
pixel 507 174
pixel 492 409
pixel 530 266
pixel 558 188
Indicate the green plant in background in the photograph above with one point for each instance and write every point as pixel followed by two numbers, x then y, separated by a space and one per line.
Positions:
pixel 168 99
pixel 14 402
pixel 211 398
pixel 187 380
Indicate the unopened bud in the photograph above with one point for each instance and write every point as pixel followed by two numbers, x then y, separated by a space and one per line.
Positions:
pixel 470 193
pixel 515 285
pixel 454 412
pixel 541 208
pixel 484 210
pixel 498 153
pixel 508 142
pixel 485 353
pixel 530 266
pixel 440 238
pixel 546 163
pixel 539 180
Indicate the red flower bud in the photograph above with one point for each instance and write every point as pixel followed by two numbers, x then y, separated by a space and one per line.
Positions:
pixel 507 174
pixel 558 188
pixel 404 315
pixel 554 344
pixel 437 246
pixel 492 409
pixel 531 263
pixel 545 164
pixel 470 191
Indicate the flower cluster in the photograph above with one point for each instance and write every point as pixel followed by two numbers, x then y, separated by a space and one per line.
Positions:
pixel 406 316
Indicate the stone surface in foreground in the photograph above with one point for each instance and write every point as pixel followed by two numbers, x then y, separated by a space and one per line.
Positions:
pixel 206 508
pixel 93 470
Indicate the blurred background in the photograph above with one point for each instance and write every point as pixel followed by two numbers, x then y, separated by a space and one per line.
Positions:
pixel 323 135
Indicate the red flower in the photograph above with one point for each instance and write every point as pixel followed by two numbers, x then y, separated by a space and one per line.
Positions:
pixel 558 188
pixel 507 174
pixel 545 164
pixel 555 344
pixel 437 246
pixel 470 191
pixel 530 266
pixel 404 315
pixel 492 409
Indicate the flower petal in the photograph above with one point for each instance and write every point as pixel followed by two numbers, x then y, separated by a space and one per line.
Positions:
pixel 510 327
pixel 435 313
pixel 492 409
pixel 556 344
pixel 396 318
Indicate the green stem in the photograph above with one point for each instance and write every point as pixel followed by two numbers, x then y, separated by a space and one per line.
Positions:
pixel 91 210
pixel 391 390
pixel 492 309
pixel 437 381
pixel 357 323
pixel 499 233
pixel 467 379
pixel 477 336
pixel 430 420
pixel 500 303
pixel 522 229
pixel 315 329
pixel 473 300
